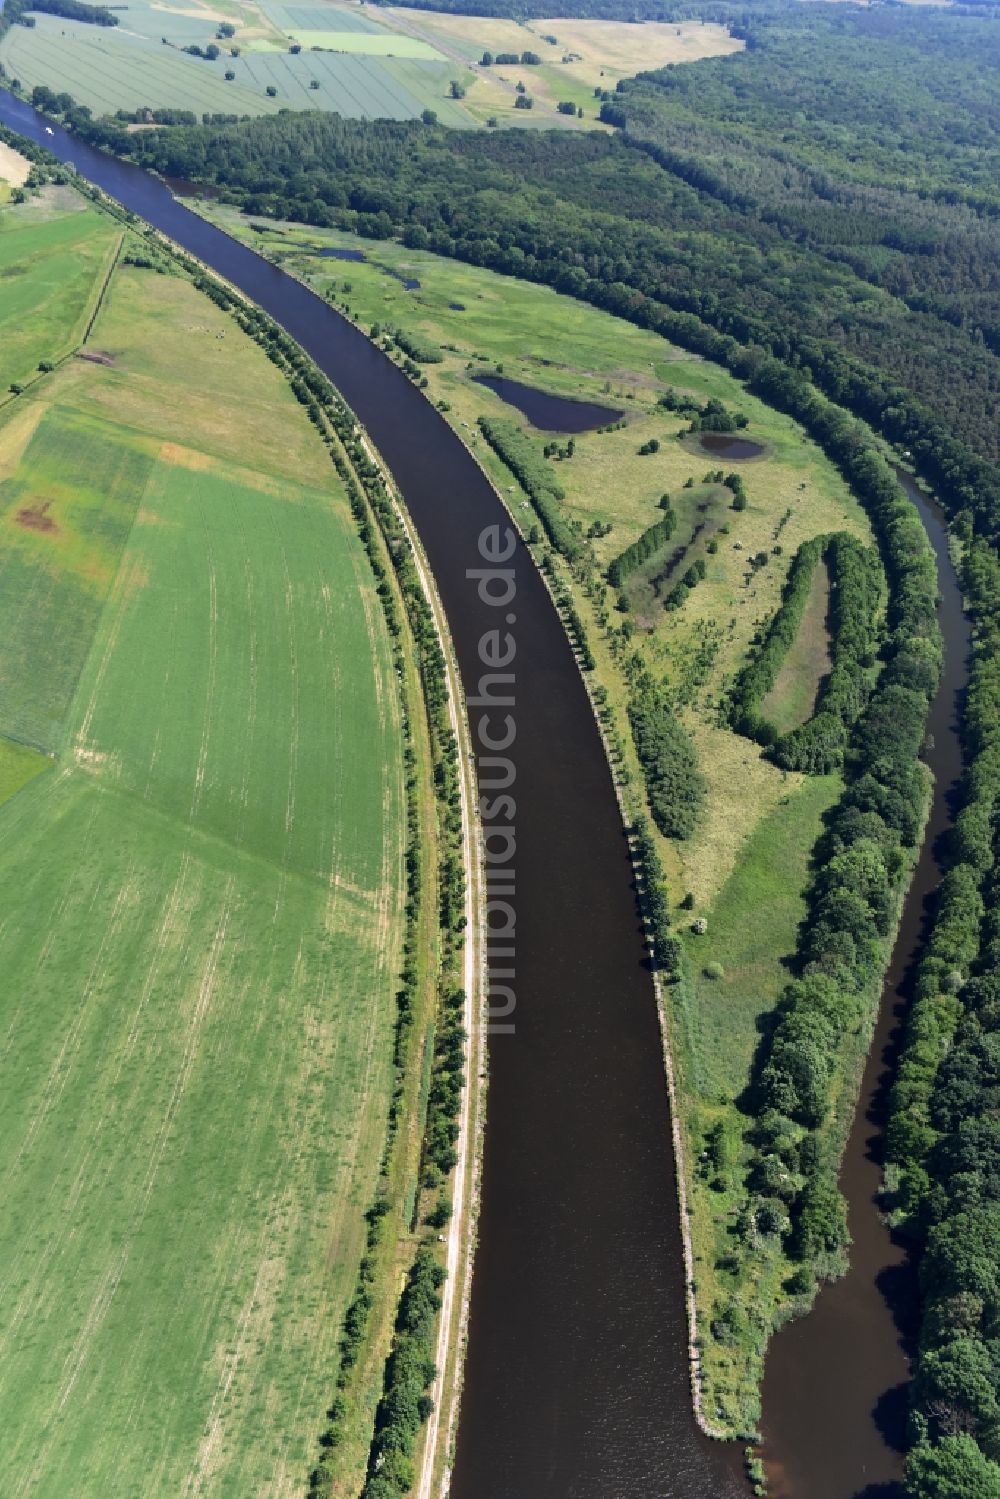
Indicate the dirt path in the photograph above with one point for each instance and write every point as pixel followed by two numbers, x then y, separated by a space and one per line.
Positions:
pixel 460 1235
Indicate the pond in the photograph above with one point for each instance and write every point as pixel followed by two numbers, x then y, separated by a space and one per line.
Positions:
pixel 546 411
pixel 728 445
pixel 335 252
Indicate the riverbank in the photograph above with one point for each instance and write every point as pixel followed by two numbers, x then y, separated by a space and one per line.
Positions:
pixel 460 1238
pixel 854 1348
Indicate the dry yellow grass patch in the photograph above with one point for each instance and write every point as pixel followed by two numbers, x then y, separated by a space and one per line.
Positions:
pixel 181 457
pixel 624 49
pixel 17 431
pixel 14 168
pixel 490 32
pixel 743 788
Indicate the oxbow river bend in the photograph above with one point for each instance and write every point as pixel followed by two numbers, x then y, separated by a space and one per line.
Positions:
pixel 576 1377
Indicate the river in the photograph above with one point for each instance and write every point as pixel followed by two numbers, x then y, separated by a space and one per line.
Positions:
pixel 576 1381
pixel 835 1382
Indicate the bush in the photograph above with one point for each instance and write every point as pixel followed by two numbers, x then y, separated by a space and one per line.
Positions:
pixel 651 540
pixel 675 786
pixel 417 347
pixel 535 477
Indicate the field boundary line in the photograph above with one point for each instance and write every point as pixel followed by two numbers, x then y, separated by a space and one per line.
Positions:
pixel 102 293
pixel 10 396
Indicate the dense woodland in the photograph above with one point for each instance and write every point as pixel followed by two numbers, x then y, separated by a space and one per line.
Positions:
pixel 821 214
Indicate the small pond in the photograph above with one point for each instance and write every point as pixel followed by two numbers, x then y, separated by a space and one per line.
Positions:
pixel 329 252
pixel 548 412
pixel 728 445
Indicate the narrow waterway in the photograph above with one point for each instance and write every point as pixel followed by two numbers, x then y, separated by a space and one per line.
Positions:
pixel 547 411
pixel 577 1377
pixel 835 1383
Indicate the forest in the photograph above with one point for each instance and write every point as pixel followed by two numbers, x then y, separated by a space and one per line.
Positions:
pixel 821 215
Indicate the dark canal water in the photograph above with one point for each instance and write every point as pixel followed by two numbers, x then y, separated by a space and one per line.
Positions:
pixel 835 1382
pixel 576 1379
pixel 548 412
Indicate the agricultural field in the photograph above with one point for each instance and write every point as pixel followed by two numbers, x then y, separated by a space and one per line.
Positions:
pixel 14 171
pixel 577 57
pixel 51 270
pixel 201 853
pixel 363 63
pixel 361 72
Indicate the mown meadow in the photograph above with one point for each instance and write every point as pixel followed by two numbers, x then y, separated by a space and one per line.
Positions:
pixel 201 850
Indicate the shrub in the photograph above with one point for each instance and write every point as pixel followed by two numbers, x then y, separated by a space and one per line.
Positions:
pixel 675 786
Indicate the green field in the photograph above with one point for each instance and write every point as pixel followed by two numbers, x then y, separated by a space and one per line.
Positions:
pixel 793 696
pixel 752 925
pixel 19 764
pixel 202 912
pixel 141 64
pixel 49 275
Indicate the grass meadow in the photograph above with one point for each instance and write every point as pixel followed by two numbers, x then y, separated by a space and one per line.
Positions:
pixel 202 912
pixel 50 273
pixel 793 696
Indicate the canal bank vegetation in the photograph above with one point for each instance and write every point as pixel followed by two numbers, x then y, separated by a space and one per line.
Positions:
pixel 942 1139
